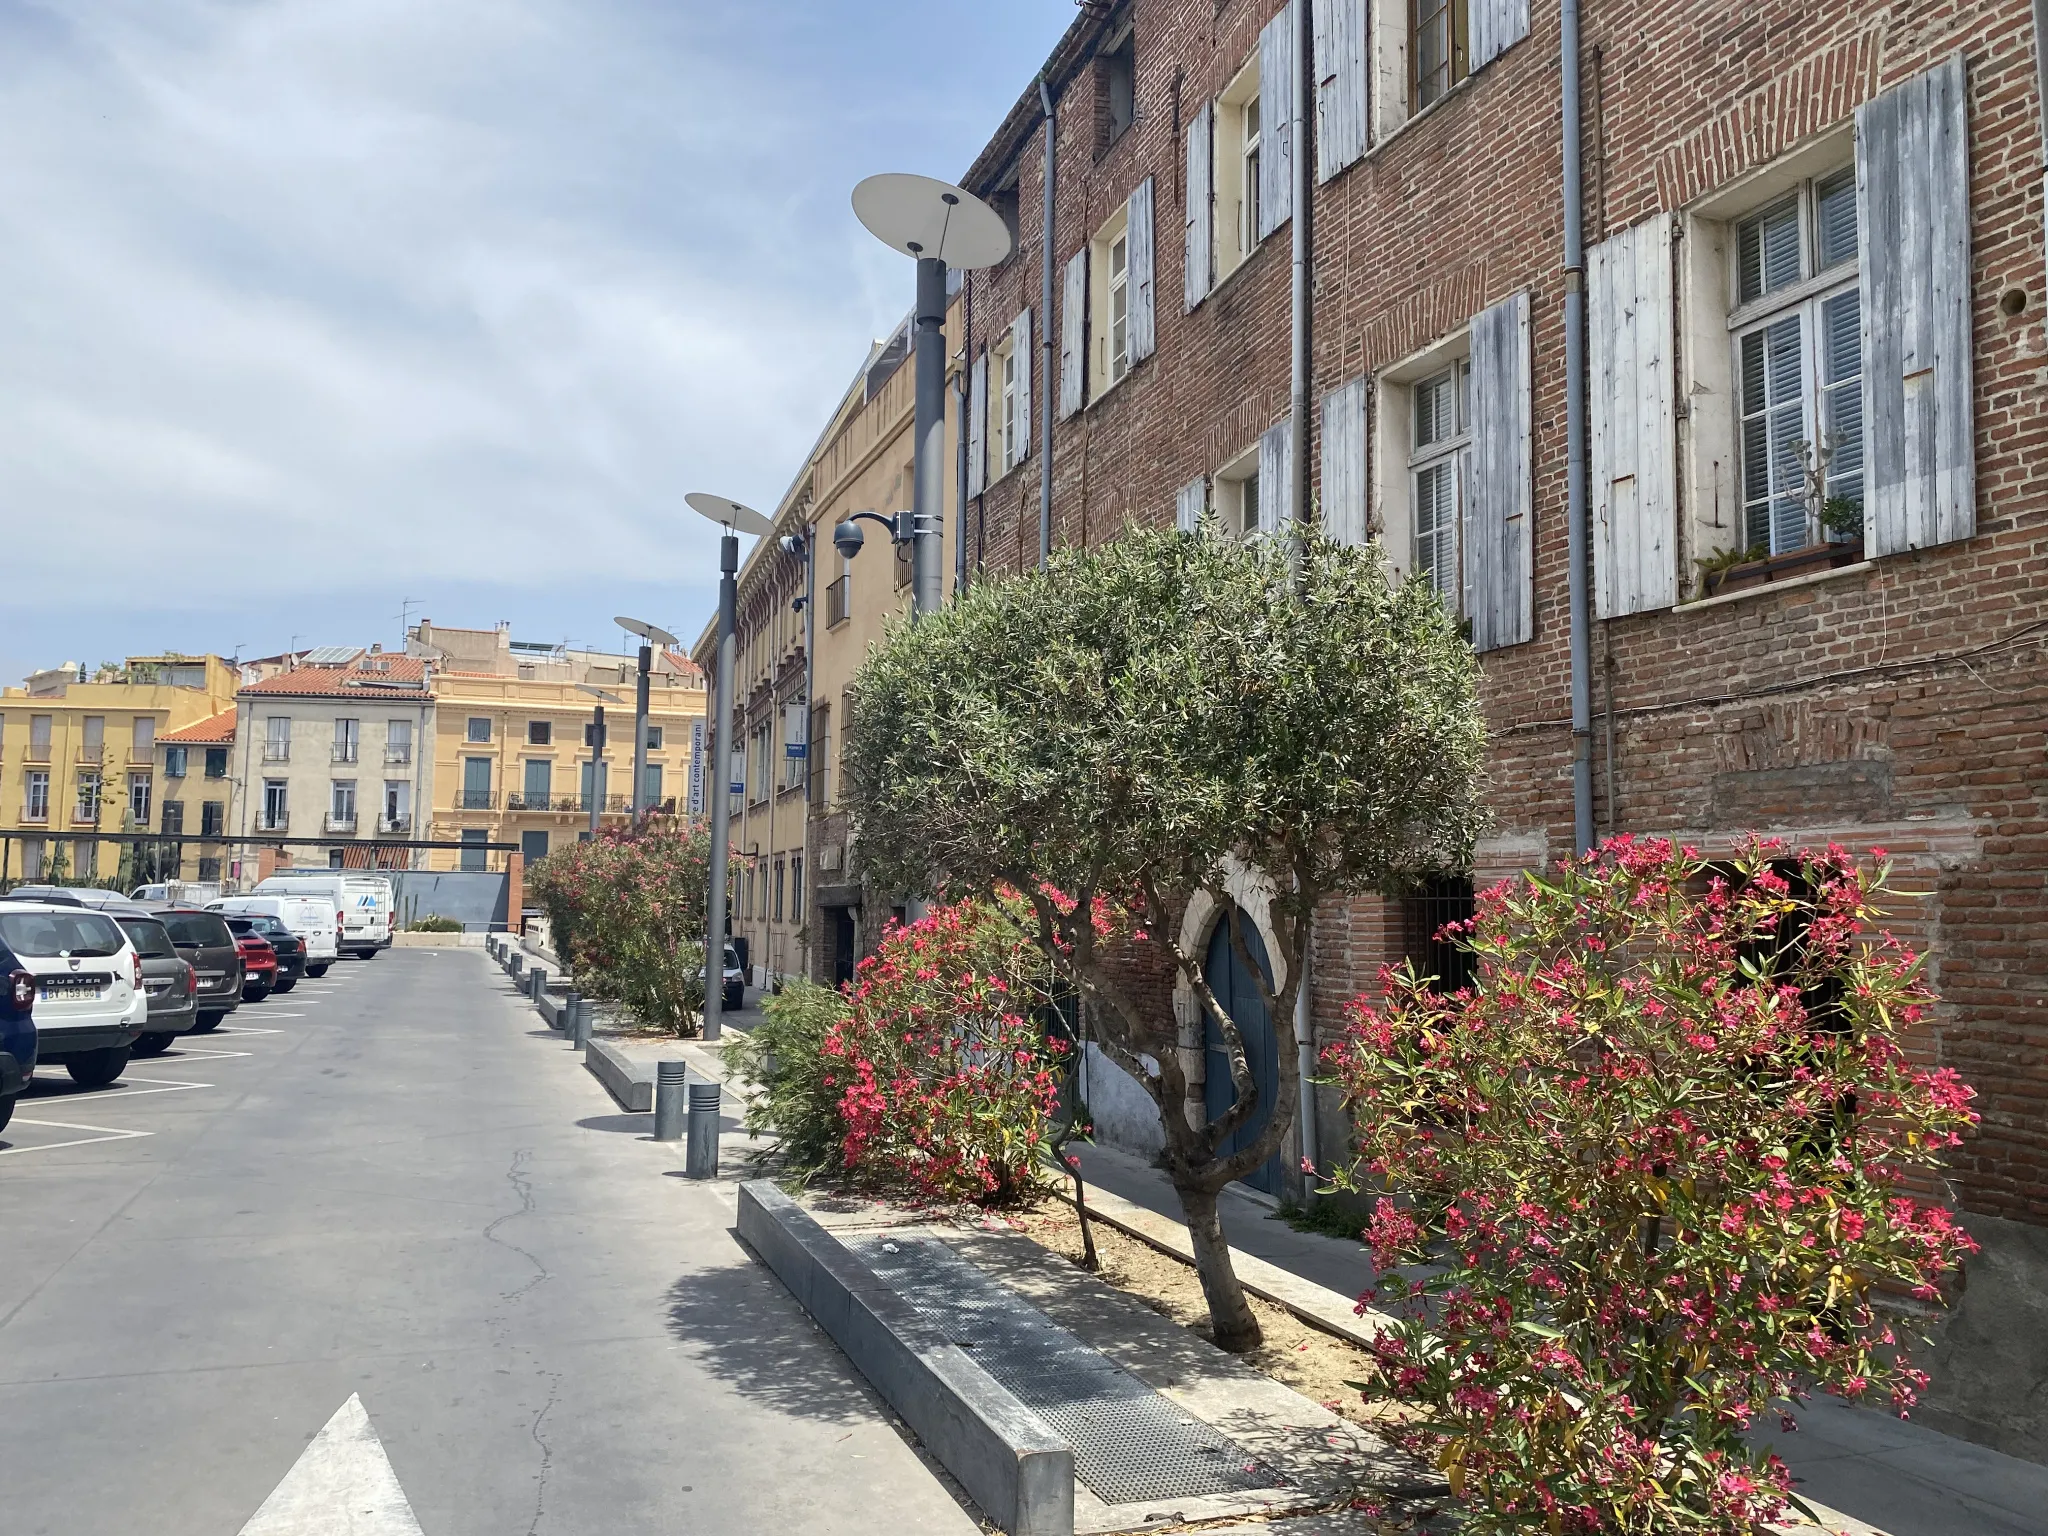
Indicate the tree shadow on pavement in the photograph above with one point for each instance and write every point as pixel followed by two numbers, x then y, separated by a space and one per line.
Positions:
pixel 743 1327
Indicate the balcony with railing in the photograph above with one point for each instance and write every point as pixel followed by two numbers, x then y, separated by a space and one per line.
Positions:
pixel 36 815
pixel 92 754
pixel 394 824
pixel 399 755
pixel 345 752
pixel 476 800
pixel 341 821
pixel 277 751
pixel 36 752
pixel 838 600
pixel 280 822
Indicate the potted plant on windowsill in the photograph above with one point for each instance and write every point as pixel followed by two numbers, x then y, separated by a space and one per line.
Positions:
pixel 1839 519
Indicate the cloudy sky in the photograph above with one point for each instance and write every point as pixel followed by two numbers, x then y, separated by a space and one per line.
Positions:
pixel 311 307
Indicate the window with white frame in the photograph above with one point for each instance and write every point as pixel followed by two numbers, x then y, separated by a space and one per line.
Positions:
pixel 88 806
pixel 1008 441
pixel 1237 495
pixel 1439 409
pixel 35 799
pixel 140 793
pixel 1797 325
pixel 276 805
pixel 1238 143
pixel 342 805
pixel 1110 263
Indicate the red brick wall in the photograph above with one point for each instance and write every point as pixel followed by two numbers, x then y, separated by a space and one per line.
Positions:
pixel 1906 705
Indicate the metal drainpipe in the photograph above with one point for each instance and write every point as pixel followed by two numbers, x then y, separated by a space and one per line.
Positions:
pixel 1048 343
pixel 1577 538
pixel 2041 93
pixel 960 474
pixel 1298 396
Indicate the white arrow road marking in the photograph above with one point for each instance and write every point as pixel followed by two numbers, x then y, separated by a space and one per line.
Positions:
pixel 107 1133
pixel 341 1485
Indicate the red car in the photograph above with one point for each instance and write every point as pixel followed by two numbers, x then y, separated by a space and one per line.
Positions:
pixel 259 966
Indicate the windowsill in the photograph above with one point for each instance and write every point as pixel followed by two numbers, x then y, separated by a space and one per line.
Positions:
pixel 1765 589
pixel 1243 262
pixel 1113 385
pixel 999 479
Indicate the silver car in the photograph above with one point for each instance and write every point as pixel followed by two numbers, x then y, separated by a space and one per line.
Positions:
pixel 168 978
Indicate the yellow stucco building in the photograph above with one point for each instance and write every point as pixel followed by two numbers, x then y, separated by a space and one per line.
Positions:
pixel 79 762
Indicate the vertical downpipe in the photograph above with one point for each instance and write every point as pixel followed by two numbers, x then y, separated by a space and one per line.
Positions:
pixel 2041 95
pixel 1299 391
pixel 1048 342
pixel 1577 540
pixel 960 396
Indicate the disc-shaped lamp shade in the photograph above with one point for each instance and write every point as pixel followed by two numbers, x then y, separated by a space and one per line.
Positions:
pixel 653 634
pixel 922 217
pixel 730 513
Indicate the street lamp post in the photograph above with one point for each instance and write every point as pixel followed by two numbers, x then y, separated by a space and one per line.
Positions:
pixel 939 225
pixel 650 635
pixel 733 519
pixel 597 774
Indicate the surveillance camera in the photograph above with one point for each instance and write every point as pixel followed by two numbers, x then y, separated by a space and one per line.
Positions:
pixel 792 543
pixel 846 538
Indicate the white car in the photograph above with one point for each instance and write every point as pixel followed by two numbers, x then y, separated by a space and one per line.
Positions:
pixel 364 901
pixel 314 920
pixel 90 1002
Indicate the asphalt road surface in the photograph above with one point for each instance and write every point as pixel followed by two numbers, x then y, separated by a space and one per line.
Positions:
pixel 379 1257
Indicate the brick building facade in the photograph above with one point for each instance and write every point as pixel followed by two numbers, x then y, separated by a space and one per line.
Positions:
pixel 1815 492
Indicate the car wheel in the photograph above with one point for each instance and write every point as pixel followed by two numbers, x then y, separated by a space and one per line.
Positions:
pixel 285 986
pixel 96 1069
pixel 254 994
pixel 316 971
pixel 208 1023
pixel 155 1043
pixel 6 1112
pixel 735 998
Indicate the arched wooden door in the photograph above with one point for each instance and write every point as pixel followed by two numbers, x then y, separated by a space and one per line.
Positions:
pixel 1239 995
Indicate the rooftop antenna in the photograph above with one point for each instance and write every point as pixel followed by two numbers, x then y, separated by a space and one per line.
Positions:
pixel 405 608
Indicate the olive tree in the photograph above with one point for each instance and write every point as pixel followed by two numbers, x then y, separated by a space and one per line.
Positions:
pixel 1160 717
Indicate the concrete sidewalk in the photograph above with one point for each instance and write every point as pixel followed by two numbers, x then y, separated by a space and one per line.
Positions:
pixel 1902 1478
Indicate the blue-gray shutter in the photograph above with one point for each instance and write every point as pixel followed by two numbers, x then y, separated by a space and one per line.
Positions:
pixel 1074 336
pixel 1343 55
pixel 1633 416
pixel 1343 502
pixel 1276 477
pixel 1913 228
pixel 1279 82
pixel 1497 482
pixel 977 415
pixel 1199 261
pixel 1190 504
pixel 1020 348
pixel 1138 252
pixel 1497 25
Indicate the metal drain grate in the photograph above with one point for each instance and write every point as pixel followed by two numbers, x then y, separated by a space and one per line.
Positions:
pixel 1130 1443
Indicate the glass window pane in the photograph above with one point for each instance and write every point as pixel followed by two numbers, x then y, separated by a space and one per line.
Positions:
pixel 1436 557
pixel 1835 200
pixel 1767 252
pixel 1842 398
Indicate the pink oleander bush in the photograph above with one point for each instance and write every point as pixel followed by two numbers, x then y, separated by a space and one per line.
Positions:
pixel 1648 1181
pixel 945 1079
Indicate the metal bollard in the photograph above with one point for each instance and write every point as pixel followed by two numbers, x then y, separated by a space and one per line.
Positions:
pixel 537 983
pixel 671 1078
pixel 566 1012
pixel 700 1161
pixel 518 964
pixel 579 1025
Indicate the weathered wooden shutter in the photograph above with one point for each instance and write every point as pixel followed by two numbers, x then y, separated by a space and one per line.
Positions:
pixel 1190 504
pixel 977 415
pixel 1199 260
pixel 1497 484
pixel 1138 252
pixel 1913 230
pixel 1343 504
pixel 1342 60
pixel 1074 336
pixel 1020 348
pixel 1276 477
pixel 1633 421
pixel 1497 25
pixel 1279 81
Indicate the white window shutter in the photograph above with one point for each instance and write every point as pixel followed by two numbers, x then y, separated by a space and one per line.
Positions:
pixel 1913 230
pixel 1190 504
pixel 1633 421
pixel 1343 503
pixel 1074 336
pixel 1497 25
pixel 1199 261
pixel 1498 598
pixel 1279 80
pixel 1343 59
pixel 1020 348
pixel 1138 216
pixel 977 415
pixel 1276 477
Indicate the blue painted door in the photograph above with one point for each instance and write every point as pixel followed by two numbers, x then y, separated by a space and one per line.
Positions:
pixel 1239 996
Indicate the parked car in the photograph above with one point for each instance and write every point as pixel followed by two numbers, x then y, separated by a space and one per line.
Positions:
pixel 202 938
pixel 89 1006
pixel 169 981
pixel 17 1032
pixel 259 965
pixel 734 994
pixel 364 900
pixel 291 951
pixel 316 920
pixel 183 893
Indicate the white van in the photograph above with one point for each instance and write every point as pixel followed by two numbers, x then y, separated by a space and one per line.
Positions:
pixel 314 919
pixel 364 901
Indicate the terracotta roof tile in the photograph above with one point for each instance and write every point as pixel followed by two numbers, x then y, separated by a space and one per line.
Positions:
pixel 365 678
pixel 215 730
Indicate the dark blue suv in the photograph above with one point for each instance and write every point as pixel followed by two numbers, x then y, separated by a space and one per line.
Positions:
pixel 17 1032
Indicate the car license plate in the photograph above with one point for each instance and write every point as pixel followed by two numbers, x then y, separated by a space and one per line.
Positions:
pixel 70 986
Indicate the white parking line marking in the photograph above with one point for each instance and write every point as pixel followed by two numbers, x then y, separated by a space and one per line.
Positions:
pixel 170 1085
pixel 108 1133
pixel 243 1029
pixel 272 1014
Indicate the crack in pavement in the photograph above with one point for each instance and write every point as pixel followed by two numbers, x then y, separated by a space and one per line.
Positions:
pixel 516 1175
pixel 522 1183
pixel 547 1455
